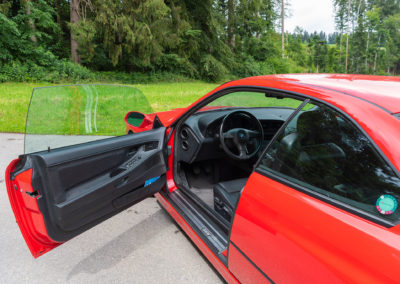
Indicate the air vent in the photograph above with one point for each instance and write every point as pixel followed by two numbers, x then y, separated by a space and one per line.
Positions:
pixel 184 134
pixel 185 145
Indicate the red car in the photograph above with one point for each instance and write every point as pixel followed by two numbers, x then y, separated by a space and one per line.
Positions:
pixel 287 179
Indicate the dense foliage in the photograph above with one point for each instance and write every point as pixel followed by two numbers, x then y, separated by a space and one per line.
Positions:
pixel 209 39
pixel 372 30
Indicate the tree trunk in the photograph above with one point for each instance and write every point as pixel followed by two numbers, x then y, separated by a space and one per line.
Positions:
pixel 366 52
pixel 30 22
pixel 376 53
pixel 348 35
pixel 74 18
pixel 231 22
pixel 340 48
pixel 258 33
pixel 283 28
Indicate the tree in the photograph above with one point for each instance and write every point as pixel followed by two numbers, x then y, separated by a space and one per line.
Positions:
pixel 318 52
pixel 347 35
pixel 31 23
pixel 283 27
pixel 74 18
pixel 231 23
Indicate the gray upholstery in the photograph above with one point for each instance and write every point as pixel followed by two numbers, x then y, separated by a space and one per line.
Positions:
pixel 226 196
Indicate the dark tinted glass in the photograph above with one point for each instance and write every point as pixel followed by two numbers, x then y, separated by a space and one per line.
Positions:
pixel 323 151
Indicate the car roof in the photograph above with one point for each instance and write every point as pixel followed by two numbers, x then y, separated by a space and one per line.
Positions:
pixel 382 91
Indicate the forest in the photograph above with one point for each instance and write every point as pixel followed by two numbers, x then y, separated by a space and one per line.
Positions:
pixel 211 40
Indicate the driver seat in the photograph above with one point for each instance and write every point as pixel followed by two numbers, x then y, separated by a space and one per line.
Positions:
pixel 226 196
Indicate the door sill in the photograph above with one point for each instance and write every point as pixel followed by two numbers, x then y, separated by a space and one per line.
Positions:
pixel 213 215
pixel 208 230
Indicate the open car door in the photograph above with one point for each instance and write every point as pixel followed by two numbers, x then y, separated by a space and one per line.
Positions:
pixel 58 193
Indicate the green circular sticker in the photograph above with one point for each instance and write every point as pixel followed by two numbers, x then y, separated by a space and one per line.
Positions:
pixel 386 204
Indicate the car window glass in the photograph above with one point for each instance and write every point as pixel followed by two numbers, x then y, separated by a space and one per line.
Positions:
pixel 67 115
pixel 322 150
pixel 254 99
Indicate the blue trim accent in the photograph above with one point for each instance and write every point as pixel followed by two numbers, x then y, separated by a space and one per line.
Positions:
pixel 150 181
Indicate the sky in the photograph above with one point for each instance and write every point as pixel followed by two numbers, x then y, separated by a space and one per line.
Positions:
pixel 311 15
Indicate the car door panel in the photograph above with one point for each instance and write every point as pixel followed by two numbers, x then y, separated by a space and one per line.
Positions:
pixel 281 229
pixel 244 270
pixel 76 187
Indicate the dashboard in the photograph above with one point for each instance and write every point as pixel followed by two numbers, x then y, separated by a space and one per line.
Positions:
pixel 198 138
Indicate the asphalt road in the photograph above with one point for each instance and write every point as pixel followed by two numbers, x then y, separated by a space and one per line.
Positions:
pixel 140 245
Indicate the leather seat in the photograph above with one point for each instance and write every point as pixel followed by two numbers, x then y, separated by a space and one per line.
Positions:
pixel 226 196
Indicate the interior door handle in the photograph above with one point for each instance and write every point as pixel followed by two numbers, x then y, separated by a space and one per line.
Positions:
pixel 130 163
pixel 122 182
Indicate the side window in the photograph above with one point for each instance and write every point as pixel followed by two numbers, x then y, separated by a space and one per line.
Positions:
pixel 67 115
pixel 322 150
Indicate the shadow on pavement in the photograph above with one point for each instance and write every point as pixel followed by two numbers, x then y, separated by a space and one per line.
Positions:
pixel 123 245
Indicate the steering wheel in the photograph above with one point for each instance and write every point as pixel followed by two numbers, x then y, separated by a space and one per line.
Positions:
pixel 241 143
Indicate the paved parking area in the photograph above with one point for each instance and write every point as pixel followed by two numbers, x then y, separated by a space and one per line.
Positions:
pixel 140 245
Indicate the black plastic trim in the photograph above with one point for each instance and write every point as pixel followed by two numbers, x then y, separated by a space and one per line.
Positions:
pixel 157 123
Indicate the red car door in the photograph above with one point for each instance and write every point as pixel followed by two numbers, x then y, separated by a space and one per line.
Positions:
pixel 317 208
pixel 77 171
pixel 58 194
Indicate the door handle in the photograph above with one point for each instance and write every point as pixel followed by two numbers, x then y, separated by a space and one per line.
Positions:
pixel 122 182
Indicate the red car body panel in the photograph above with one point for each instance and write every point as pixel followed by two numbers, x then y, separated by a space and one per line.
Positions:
pixel 295 238
pixel 27 214
pixel 243 269
pixel 166 118
pixel 170 173
pixel 278 232
pixel 379 90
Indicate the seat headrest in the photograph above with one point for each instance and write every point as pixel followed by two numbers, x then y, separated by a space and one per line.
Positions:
pixel 317 127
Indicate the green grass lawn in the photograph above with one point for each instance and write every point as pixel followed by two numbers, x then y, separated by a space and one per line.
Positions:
pixel 15 97
pixel 98 109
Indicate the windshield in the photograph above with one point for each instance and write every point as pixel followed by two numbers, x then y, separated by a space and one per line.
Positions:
pixel 250 99
pixel 67 115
